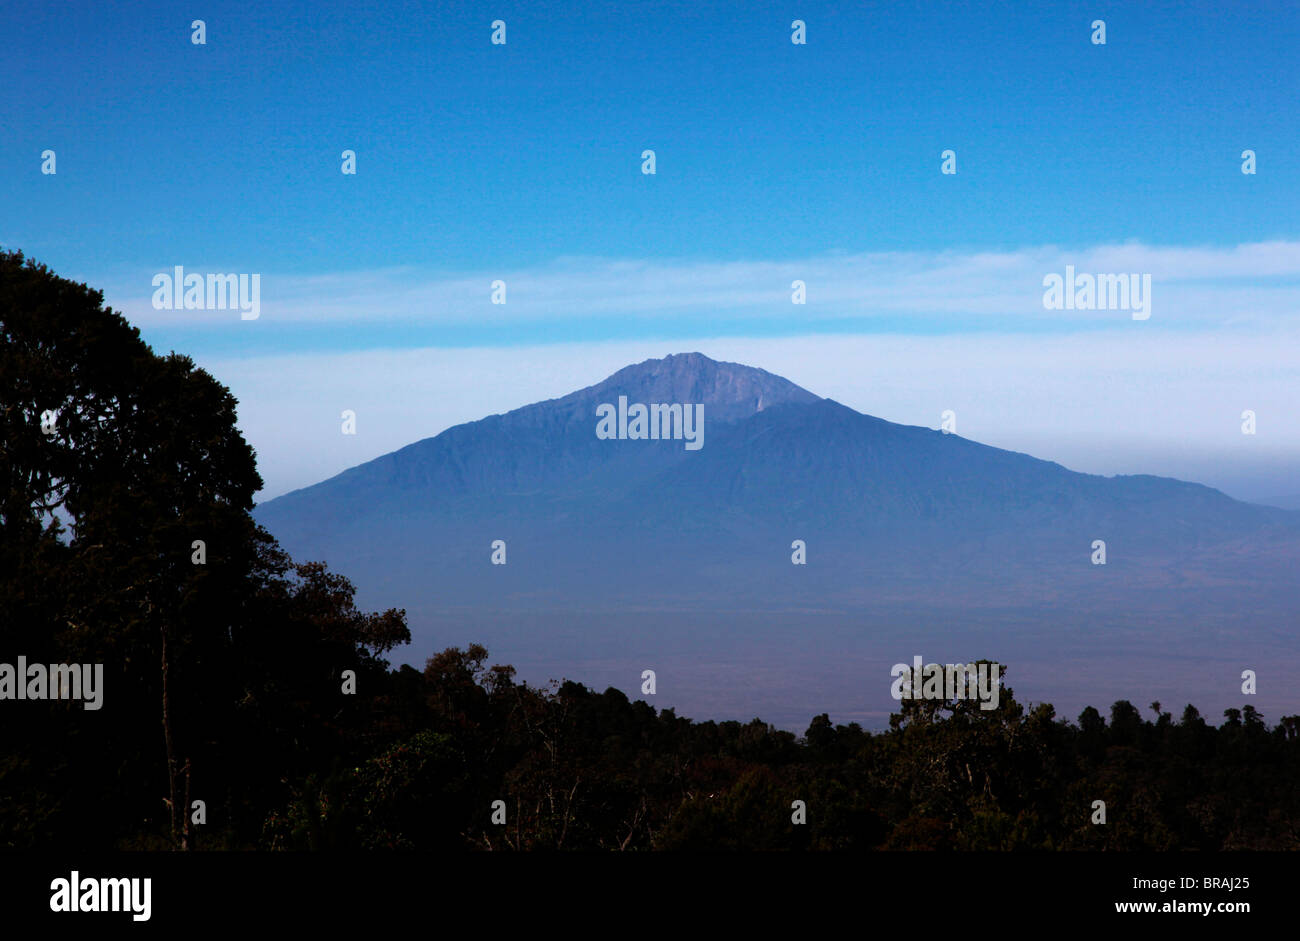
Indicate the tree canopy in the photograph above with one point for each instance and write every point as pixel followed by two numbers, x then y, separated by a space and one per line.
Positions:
pixel 126 539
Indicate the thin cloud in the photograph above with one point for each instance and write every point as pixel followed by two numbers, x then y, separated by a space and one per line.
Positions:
pixel 1193 287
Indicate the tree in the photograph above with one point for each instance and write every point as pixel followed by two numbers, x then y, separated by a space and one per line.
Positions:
pixel 116 463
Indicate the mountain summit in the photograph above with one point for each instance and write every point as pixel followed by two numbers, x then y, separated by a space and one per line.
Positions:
pixel 729 391
pixel 778 458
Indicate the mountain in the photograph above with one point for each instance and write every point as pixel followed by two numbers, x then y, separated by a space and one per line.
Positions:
pixel 903 526
pixel 1287 502
pixel 777 464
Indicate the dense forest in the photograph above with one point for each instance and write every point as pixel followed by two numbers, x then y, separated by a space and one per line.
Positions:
pixel 248 703
pixel 585 770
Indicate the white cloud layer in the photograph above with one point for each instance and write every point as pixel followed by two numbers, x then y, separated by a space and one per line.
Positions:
pixel 1256 284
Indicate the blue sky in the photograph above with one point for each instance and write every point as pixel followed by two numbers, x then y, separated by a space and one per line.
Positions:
pixel 476 156
pixel 821 161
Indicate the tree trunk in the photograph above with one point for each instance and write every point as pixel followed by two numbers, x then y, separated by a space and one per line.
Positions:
pixel 175 808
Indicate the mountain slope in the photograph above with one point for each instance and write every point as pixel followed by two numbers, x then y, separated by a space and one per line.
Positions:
pixel 889 514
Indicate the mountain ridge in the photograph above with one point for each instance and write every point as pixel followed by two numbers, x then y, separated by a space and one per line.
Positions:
pixel 550 446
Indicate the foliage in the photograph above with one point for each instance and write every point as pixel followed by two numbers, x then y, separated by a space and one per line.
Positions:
pixel 221 679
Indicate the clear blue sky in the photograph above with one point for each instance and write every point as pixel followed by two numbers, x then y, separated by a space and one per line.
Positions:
pixel 473 156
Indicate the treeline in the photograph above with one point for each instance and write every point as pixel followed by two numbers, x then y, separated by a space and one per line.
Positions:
pixel 247 703
pixel 576 769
